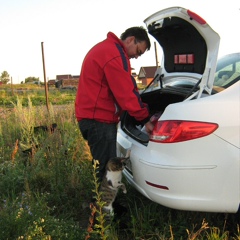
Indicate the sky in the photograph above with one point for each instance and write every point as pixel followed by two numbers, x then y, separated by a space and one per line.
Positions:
pixel 67 29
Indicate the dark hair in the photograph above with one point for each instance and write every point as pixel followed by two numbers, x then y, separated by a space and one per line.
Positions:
pixel 139 33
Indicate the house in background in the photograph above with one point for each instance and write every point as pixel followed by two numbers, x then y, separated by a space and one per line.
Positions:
pixel 146 74
pixel 66 76
pixel 67 81
pixel 133 73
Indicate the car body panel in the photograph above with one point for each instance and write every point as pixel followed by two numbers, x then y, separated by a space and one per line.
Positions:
pixel 195 179
pixel 205 181
pixel 197 183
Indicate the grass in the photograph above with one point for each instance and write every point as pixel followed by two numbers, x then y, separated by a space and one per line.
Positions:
pixel 47 181
pixel 10 94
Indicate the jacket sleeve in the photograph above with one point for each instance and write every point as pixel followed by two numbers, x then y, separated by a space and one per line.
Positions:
pixel 124 89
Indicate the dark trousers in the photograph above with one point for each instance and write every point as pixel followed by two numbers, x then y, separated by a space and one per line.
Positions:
pixel 101 139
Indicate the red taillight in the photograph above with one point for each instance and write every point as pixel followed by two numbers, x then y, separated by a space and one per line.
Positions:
pixel 177 131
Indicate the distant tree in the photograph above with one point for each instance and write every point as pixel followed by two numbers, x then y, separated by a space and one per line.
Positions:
pixel 31 79
pixel 4 78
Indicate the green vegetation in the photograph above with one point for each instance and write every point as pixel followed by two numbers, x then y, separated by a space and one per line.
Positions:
pixel 4 77
pixel 32 80
pixel 47 182
pixel 9 95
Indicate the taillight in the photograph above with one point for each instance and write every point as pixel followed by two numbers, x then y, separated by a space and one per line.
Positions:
pixel 172 131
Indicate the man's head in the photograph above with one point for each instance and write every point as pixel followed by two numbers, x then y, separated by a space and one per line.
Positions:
pixel 136 41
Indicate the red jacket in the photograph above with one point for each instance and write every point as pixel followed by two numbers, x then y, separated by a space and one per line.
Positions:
pixel 106 86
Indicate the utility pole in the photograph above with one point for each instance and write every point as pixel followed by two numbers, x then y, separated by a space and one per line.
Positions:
pixel 45 81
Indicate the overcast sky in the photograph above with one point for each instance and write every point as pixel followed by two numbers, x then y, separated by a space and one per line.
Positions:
pixel 69 28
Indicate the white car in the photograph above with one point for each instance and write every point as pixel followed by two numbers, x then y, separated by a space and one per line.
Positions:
pixel 191 160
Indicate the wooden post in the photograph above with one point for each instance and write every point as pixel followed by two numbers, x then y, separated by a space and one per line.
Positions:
pixel 45 81
pixel 156 55
pixel 12 86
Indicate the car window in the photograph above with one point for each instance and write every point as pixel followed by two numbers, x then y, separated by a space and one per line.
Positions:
pixel 228 72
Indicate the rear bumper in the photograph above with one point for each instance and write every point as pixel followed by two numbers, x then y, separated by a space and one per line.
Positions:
pixel 175 180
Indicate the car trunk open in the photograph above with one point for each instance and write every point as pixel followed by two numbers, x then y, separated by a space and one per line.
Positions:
pixel 184 48
pixel 187 70
pixel 157 101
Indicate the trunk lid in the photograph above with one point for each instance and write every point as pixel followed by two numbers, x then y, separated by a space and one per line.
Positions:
pixel 190 49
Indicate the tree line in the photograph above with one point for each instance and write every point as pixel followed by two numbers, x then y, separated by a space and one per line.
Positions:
pixel 5 78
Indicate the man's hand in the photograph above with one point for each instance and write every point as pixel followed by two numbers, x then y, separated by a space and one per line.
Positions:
pixel 149 127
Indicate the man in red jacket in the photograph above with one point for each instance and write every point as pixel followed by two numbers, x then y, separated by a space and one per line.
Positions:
pixel 106 88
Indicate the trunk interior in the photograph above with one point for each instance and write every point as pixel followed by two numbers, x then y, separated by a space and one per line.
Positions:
pixel 157 101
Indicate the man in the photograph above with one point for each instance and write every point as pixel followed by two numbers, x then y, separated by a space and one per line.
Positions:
pixel 106 88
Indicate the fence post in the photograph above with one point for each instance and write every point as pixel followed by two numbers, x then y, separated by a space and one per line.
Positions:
pixel 45 81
